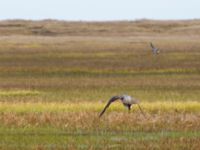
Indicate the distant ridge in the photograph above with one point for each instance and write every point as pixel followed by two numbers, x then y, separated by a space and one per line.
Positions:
pixel 49 27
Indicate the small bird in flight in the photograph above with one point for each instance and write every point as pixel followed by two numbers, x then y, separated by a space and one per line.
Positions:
pixel 126 100
pixel 154 49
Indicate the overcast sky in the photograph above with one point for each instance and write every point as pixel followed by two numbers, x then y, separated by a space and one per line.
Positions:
pixel 99 9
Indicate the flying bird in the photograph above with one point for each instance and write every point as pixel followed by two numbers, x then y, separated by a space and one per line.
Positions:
pixel 154 49
pixel 126 100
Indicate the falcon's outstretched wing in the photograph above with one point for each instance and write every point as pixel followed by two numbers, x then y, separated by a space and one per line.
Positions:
pixel 114 98
pixel 152 46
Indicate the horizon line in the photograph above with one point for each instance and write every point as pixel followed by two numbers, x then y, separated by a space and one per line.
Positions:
pixel 106 20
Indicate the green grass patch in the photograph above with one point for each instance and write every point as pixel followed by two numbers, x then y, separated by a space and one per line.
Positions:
pixel 31 107
pixel 50 138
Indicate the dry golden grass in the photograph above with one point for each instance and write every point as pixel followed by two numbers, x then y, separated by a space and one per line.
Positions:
pixel 84 116
pixel 111 122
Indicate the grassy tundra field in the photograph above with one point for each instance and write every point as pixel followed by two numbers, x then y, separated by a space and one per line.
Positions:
pixel 56 77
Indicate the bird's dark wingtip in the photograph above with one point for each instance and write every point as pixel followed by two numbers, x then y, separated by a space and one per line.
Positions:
pixel 100 115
